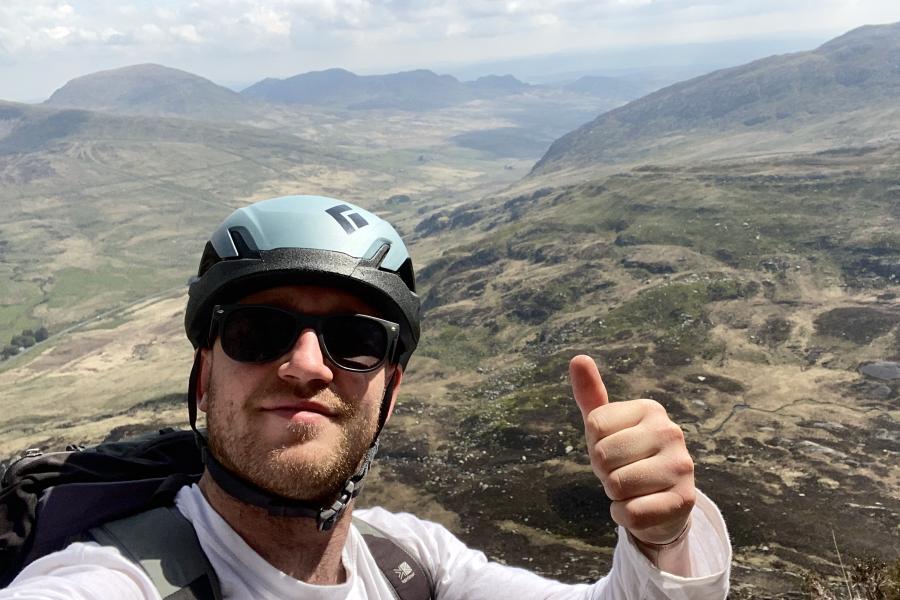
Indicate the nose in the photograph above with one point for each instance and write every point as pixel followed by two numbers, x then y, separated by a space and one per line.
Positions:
pixel 305 362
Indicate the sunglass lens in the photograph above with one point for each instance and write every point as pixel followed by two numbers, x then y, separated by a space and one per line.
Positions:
pixel 257 333
pixel 355 342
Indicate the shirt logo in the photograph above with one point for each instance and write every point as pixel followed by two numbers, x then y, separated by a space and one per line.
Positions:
pixel 404 572
pixel 338 213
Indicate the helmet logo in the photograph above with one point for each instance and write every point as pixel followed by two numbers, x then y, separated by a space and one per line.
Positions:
pixel 338 213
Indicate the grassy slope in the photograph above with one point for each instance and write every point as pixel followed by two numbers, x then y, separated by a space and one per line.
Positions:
pixel 101 210
pixel 729 292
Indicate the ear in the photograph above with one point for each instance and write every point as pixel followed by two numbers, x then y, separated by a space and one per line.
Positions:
pixel 203 379
pixel 394 386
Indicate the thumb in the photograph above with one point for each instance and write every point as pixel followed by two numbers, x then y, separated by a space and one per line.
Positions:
pixel 587 385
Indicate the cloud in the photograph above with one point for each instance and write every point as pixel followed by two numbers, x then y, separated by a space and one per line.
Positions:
pixel 42 25
pixel 284 37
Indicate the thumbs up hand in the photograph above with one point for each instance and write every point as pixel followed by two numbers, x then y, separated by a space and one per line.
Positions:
pixel 638 454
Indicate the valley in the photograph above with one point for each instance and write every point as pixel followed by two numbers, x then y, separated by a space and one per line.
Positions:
pixel 752 289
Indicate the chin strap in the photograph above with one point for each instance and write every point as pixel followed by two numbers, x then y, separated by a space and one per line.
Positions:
pixel 274 504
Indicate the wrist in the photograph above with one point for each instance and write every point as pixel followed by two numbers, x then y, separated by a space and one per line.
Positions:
pixel 672 556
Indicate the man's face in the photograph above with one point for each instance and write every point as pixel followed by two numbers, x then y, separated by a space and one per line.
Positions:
pixel 297 426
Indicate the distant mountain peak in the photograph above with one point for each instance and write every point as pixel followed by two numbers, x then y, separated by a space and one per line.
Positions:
pixel 866 34
pixel 151 89
pixel 417 89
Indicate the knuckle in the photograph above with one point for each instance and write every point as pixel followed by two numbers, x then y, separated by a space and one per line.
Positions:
pixel 652 407
pixel 614 485
pixel 600 455
pixel 671 433
pixel 683 466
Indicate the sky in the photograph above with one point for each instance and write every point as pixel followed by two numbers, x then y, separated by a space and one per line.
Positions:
pixel 44 43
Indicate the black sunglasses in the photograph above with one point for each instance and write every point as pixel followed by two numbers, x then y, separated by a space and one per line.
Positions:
pixel 261 333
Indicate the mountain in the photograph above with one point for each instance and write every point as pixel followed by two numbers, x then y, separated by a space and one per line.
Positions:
pixel 843 92
pixel 497 85
pixel 410 90
pixel 153 90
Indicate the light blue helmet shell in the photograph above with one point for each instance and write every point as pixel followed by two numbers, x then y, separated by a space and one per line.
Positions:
pixel 322 224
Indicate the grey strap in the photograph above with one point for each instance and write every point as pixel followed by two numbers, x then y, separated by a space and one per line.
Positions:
pixel 165 545
pixel 407 576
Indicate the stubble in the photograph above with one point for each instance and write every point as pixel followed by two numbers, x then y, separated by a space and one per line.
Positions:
pixel 279 470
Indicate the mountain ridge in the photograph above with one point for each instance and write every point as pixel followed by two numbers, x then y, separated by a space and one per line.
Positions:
pixel 778 96
pixel 420 89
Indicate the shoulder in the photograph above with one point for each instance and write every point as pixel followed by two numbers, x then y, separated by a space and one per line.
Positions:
pixel 430 543
pixel 82 571
pixel 402 527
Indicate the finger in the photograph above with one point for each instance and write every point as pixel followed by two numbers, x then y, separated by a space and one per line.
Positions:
pixel 625 447
pixel 656 518
pixel 587 385
pixel 648 476
pixel 613 418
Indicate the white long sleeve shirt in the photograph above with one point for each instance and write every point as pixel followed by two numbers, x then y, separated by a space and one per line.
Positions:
pixel 87 571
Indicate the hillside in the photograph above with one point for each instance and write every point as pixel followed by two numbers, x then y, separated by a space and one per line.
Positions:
pixel 727 291
pixel 411 90
pixel 100 210
pixel 153 90
pixel 844 90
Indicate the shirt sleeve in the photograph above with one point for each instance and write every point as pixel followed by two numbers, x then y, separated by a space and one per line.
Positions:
pixel 82 571
pixel 461 573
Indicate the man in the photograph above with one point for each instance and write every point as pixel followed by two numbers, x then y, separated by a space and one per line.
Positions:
pixel 304 317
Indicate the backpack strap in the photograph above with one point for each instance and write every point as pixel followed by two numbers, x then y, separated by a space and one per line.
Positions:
pixel 163 542
pixel 408 578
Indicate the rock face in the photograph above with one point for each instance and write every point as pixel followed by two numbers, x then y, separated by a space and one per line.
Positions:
pixel 884 370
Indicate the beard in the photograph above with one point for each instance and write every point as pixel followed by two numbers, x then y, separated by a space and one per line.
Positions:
pixel 317 479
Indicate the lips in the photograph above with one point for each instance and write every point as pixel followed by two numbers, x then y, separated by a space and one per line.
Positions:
pixel 295 408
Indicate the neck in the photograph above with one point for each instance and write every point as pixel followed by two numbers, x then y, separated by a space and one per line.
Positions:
pixel 292 545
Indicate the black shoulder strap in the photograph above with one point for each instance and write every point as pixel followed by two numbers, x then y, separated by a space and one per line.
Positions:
pixel 410 580
pixel 165 545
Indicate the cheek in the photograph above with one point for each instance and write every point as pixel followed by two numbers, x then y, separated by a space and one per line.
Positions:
pixel 230 382
pixel 363 391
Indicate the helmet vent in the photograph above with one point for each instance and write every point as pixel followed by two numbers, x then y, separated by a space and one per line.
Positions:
pixel 243 242
pixel 209 258
pixel 378 257
pixel 407 275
